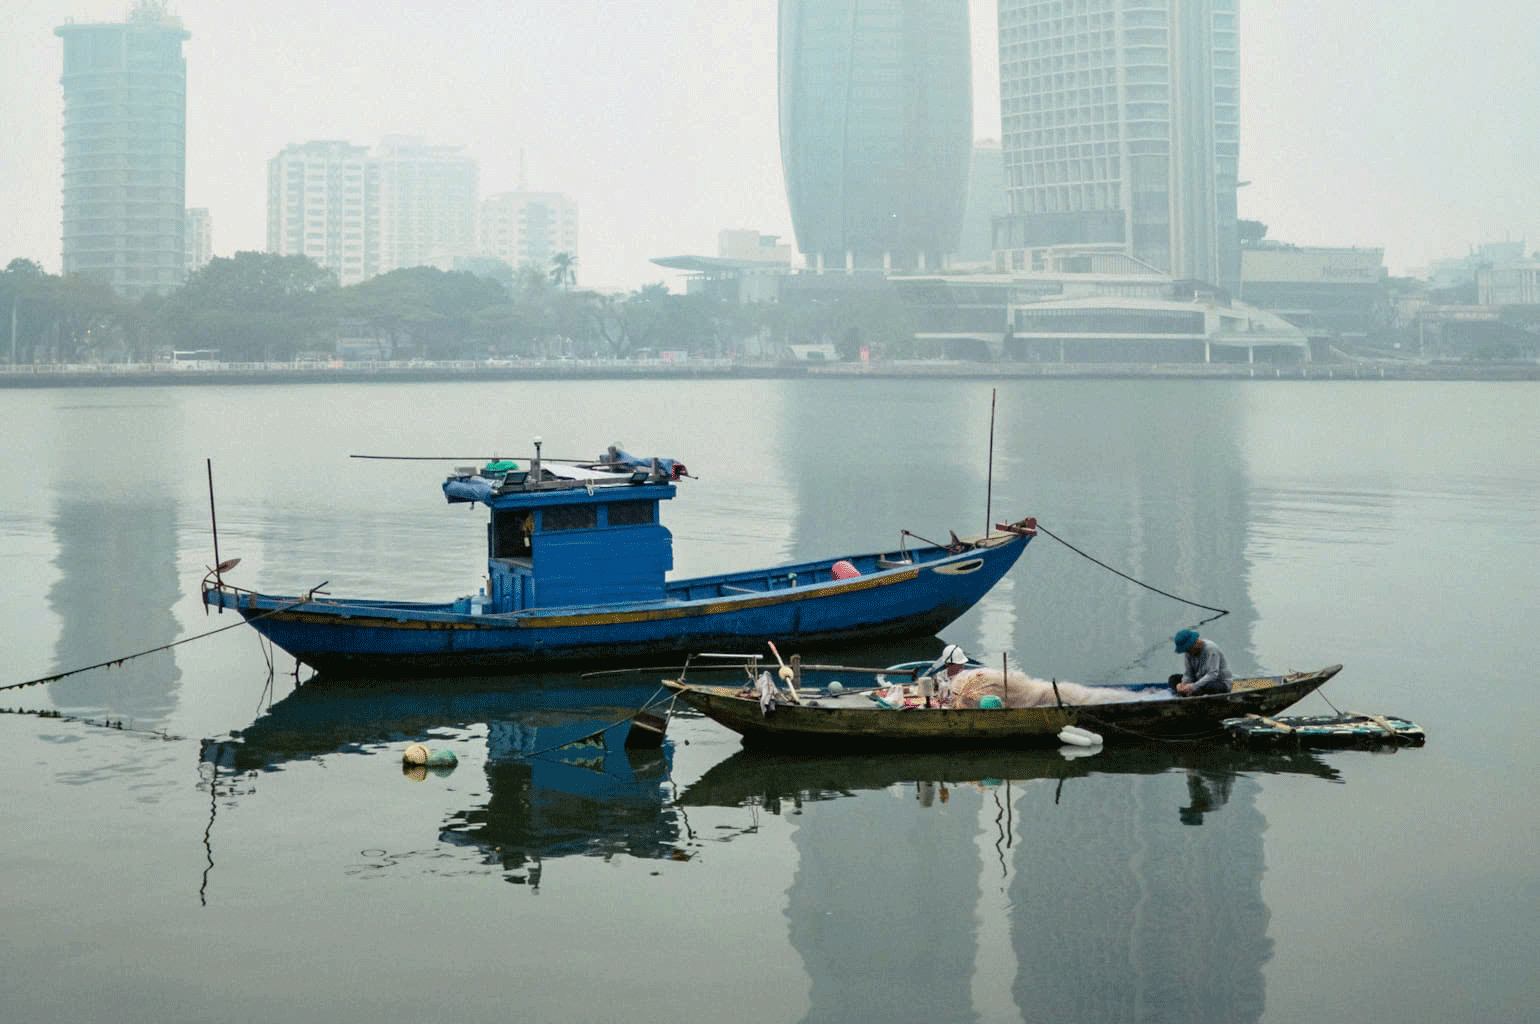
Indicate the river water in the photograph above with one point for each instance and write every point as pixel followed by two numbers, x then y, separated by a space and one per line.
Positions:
pixel 196 838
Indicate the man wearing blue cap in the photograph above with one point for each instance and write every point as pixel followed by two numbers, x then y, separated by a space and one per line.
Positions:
pixel 1205 669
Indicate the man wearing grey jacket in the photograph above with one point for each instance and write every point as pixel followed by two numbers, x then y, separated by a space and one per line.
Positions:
pixel 1205 669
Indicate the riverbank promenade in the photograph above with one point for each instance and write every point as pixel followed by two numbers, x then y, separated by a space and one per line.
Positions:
pixel 129 374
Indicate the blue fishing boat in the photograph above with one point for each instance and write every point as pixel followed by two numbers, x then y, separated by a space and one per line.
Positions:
pixel 577 564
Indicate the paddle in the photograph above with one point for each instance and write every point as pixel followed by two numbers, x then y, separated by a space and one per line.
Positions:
pixel 785 673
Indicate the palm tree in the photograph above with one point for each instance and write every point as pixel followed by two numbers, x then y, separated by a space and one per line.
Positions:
pixel 564 270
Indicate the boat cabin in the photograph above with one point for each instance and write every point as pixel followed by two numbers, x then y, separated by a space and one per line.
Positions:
pixel 571 534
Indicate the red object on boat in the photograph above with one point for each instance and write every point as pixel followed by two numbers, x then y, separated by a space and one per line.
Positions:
pixel 843 570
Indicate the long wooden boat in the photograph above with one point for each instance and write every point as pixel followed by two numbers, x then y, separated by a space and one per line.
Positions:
pixel 852 720
pixel 577 565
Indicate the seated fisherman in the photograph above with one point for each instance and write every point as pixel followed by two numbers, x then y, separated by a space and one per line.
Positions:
pixel 951 662
pixel 1205 669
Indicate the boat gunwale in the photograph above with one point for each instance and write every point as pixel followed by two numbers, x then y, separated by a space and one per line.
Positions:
pixel 317 609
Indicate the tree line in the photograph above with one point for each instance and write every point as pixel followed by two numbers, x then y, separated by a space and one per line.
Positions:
pixel 262 307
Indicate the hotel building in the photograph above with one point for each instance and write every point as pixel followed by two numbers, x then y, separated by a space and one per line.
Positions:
pixel 1121 131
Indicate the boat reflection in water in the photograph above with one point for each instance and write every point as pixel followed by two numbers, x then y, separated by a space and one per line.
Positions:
pixel 1022 885
pixel 560 780
pixel 768 779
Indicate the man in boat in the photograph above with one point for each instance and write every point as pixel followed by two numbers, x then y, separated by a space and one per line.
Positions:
pixel 1204 667
pixel 952 661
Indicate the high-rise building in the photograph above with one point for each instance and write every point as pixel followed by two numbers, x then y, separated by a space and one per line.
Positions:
pixel 987 200
pixel 1121 130
pixel 876 109
pixel 125 150
pixel 529 227
pixel 323 202
pixel 198 238
pixel 427 203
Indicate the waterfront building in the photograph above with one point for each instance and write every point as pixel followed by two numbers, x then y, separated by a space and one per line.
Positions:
pixel 748 267
pixel 1121 129
pixel 1510 283
pixel 1327 291
pixel 427 204
pixel 125 150
pixel 1093 307
pixel 529 228
pixel 876 123
pixel 323 203
pixel 198 238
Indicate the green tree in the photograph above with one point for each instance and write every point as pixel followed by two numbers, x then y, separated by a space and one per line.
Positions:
pixel 564 270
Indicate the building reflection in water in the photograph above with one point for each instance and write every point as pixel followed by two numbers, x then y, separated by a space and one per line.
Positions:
pixel 1069 888
pixel 114 594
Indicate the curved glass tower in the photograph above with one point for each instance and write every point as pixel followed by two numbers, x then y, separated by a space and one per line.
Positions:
pixel 125 150
pixel 876 103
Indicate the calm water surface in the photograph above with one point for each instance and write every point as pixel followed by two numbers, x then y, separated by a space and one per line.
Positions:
pixel 245 850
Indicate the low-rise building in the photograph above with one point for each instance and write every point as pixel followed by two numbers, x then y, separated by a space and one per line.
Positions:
pixel 1337 292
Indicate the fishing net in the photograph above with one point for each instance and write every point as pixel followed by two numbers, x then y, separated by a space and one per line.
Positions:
pixel 1019 690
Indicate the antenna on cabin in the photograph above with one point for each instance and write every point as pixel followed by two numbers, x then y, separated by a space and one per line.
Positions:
pixel 535 469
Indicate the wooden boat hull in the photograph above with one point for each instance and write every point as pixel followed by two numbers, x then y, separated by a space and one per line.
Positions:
pixel 840 728
pixel 360 637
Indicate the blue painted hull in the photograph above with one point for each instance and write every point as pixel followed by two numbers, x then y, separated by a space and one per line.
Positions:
pixel 733 612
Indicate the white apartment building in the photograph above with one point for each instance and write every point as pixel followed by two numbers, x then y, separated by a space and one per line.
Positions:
pixel 1121 129
pixel 197 238
pixel 529 227
pixel 323 202
pixel 427 203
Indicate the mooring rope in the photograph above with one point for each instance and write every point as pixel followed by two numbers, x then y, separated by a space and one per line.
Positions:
pixel 114 662
pixel 1196 604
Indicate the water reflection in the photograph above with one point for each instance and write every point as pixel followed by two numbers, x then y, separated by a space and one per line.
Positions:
pixel 560 780
pixel 1109 468
pixel 1108 907
pixel 114 594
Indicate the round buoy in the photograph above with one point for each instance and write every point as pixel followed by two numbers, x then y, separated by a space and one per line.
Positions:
pixel 415 754
pixel 991 701
pixel 836 688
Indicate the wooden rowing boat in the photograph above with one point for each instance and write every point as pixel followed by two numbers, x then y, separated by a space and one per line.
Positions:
pixel 854 720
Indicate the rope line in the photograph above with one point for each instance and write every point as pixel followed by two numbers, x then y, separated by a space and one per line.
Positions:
pixel 1043 529
pixel 646 706
pixel 114 662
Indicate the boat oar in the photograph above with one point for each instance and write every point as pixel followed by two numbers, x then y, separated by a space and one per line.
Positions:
pixel 785 673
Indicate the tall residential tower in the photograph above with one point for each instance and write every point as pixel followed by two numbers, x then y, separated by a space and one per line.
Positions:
pixel 125 150
pixel 876 107
pixel 529 228
pixel 323 202
pixel 1121 131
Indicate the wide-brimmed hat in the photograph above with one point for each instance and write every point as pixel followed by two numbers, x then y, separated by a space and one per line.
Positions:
pixel 1185 639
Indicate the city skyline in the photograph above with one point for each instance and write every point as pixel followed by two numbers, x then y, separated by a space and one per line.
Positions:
pixel 1414 133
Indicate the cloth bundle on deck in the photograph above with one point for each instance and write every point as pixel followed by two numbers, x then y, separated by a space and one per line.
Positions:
pixel 1023 691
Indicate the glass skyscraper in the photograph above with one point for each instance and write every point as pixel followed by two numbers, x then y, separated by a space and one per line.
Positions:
pixel 125 151
pixel 1121 129
pixel 876 109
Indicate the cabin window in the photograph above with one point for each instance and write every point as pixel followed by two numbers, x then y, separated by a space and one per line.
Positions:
pixel 630 513
pixel 512 532
pixel 568 517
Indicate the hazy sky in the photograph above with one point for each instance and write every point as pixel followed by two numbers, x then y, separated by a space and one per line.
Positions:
pixel 1408 124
